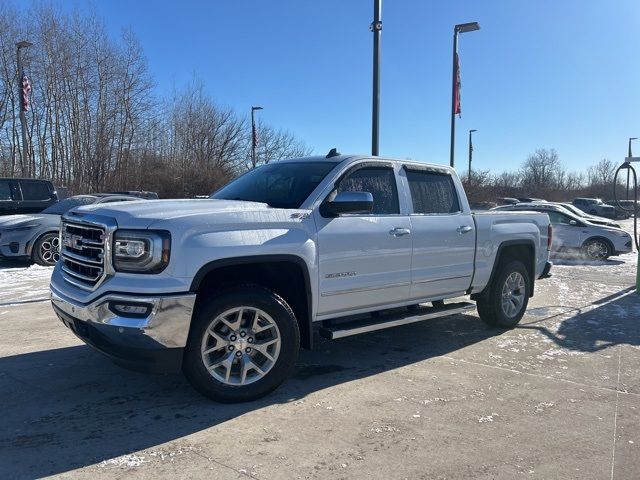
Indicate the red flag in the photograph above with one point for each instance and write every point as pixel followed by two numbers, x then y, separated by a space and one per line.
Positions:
pixel 26 92
pixel 457 108
pixel 254 136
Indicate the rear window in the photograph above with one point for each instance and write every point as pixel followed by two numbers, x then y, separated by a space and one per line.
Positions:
pixel 35 191
pixel 5 190
pixel 432 192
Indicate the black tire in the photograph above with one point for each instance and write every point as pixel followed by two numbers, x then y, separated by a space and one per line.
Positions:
pixel 438 303
pixel 597 249
pixel 208 310
pixel 46 249
pixel 490 304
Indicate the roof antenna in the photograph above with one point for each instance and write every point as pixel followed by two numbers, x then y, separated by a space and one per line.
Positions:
pixel 333 153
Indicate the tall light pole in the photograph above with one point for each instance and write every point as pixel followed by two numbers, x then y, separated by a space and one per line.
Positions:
pixel 470 152
pixel 23 116
pixel 254 136
pixel 460 28
pixel 376 28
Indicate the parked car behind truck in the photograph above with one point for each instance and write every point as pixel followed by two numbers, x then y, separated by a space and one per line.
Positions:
pixel 36 237
pixel 574 234
pixel 595 206
pixel 228 288
pixel 25 195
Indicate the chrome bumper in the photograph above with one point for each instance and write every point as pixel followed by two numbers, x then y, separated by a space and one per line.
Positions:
pixel 166 325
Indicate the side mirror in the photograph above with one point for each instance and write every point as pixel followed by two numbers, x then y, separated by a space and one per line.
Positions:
pixel 348 202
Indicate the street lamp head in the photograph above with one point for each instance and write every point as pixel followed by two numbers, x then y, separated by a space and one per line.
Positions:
pixel 474 130
pixel 466 27
pixel 256 108
pixel 24 43
pixel 633 138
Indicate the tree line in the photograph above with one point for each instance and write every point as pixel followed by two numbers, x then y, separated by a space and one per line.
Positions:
pixel 95 123
pixel 542 175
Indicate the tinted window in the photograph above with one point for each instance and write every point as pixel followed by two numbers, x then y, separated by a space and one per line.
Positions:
pixel 35 191
pixel 557 218
pixel 380 182
pixel 280 185
pixel 67 204
pixel 5 191
pixel 432 192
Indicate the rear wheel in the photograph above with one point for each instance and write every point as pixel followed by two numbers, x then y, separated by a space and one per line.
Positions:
pixel 243 343
pixel 506 301
pixel 596 249
pixel 46 250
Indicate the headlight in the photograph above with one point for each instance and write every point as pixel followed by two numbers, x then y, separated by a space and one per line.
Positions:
pixel 22 228
pixel 141 251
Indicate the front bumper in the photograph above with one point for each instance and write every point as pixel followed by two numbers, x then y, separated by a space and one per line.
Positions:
pixel 153 342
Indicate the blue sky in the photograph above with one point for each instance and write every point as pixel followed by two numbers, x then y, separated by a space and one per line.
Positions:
pixel 544 73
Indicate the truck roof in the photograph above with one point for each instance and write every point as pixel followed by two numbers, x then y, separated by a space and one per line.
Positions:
pixel 344 158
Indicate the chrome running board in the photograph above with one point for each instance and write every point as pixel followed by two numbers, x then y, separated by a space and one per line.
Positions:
pixel 371 324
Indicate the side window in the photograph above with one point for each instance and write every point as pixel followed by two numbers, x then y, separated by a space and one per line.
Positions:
pixel 5 190
pixel 379 182
pixel 432 192
pixel 35 191
pixel 557 218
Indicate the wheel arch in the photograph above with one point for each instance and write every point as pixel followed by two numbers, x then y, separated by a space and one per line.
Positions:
pixel 36 238
pixel 513 250
pixel 286 275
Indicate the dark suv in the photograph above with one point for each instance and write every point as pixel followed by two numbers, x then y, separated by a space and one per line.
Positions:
pixel 25 195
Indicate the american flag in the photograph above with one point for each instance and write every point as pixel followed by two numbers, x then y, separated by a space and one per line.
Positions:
pixel 26 92
pixel 457 108
pixel 254 136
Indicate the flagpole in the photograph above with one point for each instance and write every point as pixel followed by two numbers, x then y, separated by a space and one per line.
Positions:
pixel 454 86
pixel 460 28
pixel 23 116
pixel 254 136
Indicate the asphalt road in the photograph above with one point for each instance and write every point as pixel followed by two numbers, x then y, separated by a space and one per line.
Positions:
pixel 556 398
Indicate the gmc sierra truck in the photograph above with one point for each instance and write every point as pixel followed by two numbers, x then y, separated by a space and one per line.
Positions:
pixel 228 289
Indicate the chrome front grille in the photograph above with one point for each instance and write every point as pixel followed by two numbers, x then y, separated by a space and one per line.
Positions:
pixel 84 247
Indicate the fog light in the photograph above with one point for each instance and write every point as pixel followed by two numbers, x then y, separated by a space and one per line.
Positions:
pixel 130 310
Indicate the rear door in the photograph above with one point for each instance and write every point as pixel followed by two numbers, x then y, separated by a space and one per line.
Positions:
pixel 8 203
pixel 443 233
pixel 36 196
pixel 365 259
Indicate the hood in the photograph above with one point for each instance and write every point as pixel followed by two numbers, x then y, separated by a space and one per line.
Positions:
pixel 10 221
pixel 141 214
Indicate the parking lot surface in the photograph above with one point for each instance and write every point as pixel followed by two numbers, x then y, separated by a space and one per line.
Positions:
pixel 558 397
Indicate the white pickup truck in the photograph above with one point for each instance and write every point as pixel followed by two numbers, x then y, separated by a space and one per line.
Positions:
pixel 229 288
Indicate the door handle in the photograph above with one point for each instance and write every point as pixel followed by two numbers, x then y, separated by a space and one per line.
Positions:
pixel 464 229
pixel 399 232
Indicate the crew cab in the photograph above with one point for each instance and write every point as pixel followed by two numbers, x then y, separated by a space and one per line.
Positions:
pixel 229 288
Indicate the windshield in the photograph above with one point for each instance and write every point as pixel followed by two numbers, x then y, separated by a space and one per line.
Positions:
pixel 67 204
pixel 280 185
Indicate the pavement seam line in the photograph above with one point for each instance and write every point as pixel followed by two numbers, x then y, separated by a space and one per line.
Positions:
pixel 615 415
pixel 548 377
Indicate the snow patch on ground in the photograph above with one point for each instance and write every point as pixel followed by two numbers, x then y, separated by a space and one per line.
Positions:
pixel 23 284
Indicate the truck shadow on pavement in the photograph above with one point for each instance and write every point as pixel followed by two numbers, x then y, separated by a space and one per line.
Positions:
pixel 607 322
pixel 69 408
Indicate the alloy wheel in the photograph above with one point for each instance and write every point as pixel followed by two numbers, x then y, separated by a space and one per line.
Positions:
pixel 241 346
pixel 513 294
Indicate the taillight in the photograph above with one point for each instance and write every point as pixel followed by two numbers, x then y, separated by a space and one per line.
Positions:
pixel 549 236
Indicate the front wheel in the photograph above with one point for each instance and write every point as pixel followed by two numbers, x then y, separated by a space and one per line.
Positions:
pixel 46 250
pixel 243 344
pixel 596 249
pixel 506 301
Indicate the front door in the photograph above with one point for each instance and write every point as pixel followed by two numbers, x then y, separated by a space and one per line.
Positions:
pixel 365 260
